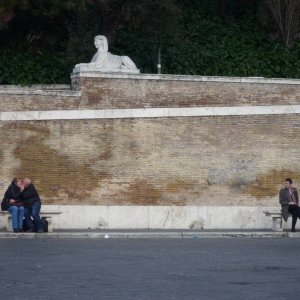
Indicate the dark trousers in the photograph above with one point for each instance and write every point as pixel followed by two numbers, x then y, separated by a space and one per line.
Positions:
pixel 34 212
pixel 294 211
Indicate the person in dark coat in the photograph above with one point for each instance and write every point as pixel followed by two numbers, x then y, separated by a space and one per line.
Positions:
pixel 289 200
pixel 12 202
pixel 32 204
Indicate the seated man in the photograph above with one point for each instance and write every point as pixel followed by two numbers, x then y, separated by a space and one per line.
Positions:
pixel 289 200
pixel 32 205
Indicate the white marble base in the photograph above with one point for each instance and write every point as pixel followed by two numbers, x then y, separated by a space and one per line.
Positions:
pixel 159 217
pixel 162 112
pixel 94 69
pixel 187 78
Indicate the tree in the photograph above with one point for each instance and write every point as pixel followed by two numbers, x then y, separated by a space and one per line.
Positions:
pixel 286 14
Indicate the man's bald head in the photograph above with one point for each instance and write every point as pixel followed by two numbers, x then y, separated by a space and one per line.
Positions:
pixel 26 182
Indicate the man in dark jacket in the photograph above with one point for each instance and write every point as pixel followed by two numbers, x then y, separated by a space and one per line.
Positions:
pixel 289 200
pixel 32 205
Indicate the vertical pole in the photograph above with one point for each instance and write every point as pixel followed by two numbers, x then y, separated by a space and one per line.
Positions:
pixel 158 61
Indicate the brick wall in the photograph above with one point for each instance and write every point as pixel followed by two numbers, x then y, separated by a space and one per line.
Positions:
pixel 24 100
pixel 216 160
pixel 183 91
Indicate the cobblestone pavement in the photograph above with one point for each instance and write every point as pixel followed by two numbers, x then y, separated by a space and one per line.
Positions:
pixel 228 268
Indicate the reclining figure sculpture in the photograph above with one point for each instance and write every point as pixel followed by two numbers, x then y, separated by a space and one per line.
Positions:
pixel 104 61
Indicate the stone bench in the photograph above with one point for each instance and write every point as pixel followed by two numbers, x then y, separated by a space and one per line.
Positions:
pixel 276 219
pixel 45 215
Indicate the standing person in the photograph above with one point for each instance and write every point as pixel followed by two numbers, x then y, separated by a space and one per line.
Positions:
pixel 289 200
pixel 12 202
pixel 32 204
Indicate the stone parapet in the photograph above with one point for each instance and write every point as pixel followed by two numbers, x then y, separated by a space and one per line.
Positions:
pixel 110 91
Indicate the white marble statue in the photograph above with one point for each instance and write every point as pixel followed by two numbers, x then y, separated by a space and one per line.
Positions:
pixel 104 61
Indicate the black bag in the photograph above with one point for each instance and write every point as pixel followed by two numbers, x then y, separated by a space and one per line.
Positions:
pixel 5 204
pixel 25 225
pixel 44 223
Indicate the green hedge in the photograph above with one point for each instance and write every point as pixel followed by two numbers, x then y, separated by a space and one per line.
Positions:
pixel 27 69
pixel 214 46
pixel 201 42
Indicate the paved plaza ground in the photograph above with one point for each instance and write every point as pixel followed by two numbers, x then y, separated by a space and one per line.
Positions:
pixel 226 268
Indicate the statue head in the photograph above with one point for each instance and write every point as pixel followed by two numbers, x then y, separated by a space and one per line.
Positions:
pixel 101 43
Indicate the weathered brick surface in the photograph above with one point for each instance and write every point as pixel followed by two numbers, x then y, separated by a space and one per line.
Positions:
pixel 11 102
pixel 228 160
pixel 133 93
pixel 107 93
pixel 202 160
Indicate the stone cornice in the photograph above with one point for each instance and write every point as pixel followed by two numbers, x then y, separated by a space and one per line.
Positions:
pixel 166 77
pixel 149 113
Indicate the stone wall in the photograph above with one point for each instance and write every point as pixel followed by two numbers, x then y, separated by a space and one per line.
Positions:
pixel 141 91
pixel 221 160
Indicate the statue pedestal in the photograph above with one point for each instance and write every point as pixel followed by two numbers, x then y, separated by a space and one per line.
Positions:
pixel 91 81
pixel 93 68
pixel 90 72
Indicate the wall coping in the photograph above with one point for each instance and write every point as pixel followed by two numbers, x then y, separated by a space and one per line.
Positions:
pixel 37 86
pixel 40 89
pixel 148 113
pixel 198 78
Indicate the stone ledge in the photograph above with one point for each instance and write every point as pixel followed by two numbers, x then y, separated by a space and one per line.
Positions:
pixel 40 89
pixel 147 235
pixel 24 91
pixel 199 78
pixel 148 113
pixel 164 218
pixel 37 86
pixel 12 235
